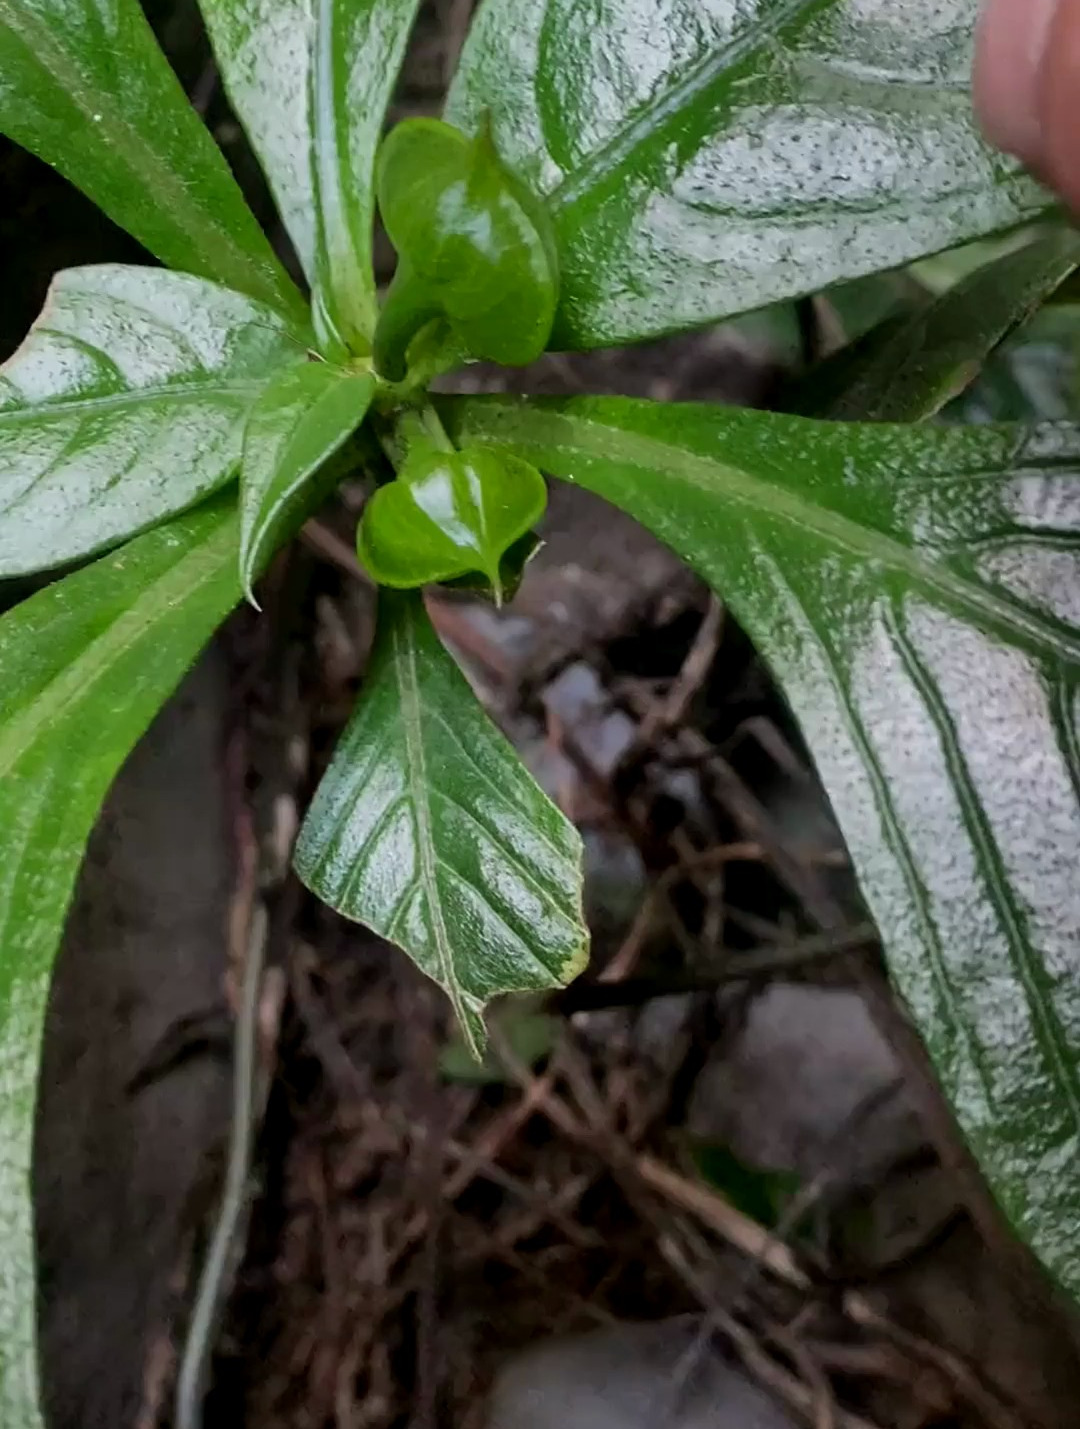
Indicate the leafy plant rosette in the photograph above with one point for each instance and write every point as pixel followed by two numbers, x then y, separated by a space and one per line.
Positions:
pixel 913 584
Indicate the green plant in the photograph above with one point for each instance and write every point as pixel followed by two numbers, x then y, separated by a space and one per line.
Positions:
pixel 913 584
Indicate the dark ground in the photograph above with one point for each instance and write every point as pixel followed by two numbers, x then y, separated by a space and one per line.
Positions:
pixel 409 1227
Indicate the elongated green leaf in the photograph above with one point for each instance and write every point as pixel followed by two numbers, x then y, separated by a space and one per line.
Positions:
pixel 1034 376
pixel 84 85
pixel 702 160
pixel 310 81
pixel 84 665
pixel 301 419
pixel 917 591
pixel 909 368
pixel 124 405
pixel 428 828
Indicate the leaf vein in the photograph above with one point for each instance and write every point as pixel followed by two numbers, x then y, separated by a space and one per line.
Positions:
pixel 404 657
pixel 948 1002
pixel 482 897
pixel 438 718
pixel 644 122
pixel 1048 1027
pixel 508 855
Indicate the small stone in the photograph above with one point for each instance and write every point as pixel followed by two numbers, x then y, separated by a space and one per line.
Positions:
pixel 632 1376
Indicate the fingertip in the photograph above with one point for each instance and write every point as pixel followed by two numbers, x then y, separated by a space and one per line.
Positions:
pixel 1059 103
pixel 1010 45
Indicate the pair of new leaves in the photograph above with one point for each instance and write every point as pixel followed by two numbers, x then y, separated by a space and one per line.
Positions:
pixel 477 269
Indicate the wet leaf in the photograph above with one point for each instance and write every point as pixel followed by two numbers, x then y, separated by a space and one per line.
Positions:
pixel 449 514
pixel 475 247
pixel 310 81
pixel 124 405
pixel 84 85
pixel 704 160
pixel 428 828
pixel 916 590
pixel 87 662
pixel 298 422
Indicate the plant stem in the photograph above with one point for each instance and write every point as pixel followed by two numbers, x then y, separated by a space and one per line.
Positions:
pixel 435 429
pixel 407 308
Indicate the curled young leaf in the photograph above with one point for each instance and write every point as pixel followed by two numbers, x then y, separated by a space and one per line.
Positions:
pixel 449 514
pixel 474 247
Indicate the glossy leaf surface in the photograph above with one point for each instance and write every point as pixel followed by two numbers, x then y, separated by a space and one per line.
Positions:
pixel 86 664
pixel 917 592
pixel 428 828
pixel 84 85
pixel 449 514
pixel 703 160
pixel 124 405
pixel 474 247
pixel 297 423
pixel 310 81
pixel 908 369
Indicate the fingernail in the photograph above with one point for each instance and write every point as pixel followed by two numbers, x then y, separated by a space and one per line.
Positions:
pixel 1010 46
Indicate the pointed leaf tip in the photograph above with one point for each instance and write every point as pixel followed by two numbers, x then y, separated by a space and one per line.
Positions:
pixel 428 829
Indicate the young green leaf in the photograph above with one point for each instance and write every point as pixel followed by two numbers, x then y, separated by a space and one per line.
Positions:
pixel 449 514
pixel 475 247
pixel 915 590
pixel 86 663
pixel 124 405
pixel 84 85
pixel 752 153
pixel 909 368
pixel 428 828
pixel 310 81
pixel 298 422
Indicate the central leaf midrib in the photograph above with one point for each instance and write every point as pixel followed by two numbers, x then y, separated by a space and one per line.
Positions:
pixel 755 494
pixel 408 682
pixel 341 258
pixel 182 391
pixel 697 78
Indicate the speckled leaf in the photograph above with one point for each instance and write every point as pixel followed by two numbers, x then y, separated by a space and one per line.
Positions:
pixel 310 81
pixel 909 368
pixel 84 85
pixel 86 663
pixel 428 828
pixel 124 405
pixel 702 160
pixel 917 592
pixel 297 423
